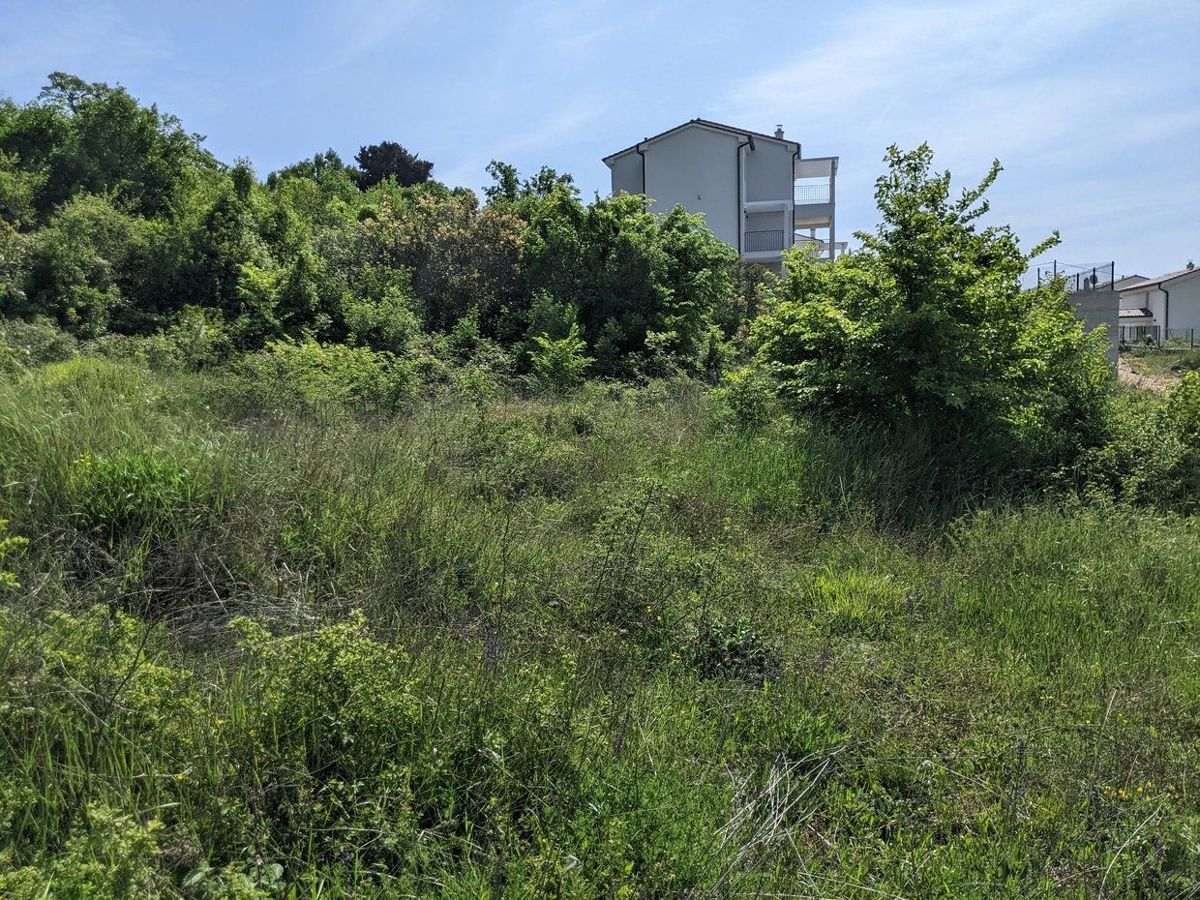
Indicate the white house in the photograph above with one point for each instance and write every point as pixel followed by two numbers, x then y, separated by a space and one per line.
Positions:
pixel 1165 306
pixel 756 191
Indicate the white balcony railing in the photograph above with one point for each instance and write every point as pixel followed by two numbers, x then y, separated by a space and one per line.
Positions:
pixel 820 248
pixel 764 241
pixel 811 193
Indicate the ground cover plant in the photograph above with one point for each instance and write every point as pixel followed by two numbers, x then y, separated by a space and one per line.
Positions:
pixel 359 539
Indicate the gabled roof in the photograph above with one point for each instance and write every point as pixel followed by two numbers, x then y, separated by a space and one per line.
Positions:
pixel 703 123
pixel 1151 283
pixel 1125 280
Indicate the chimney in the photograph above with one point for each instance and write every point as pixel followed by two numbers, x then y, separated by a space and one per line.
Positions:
pixel 779 132
pixel 1191 265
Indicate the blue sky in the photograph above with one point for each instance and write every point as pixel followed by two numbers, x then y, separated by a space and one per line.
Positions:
pixel 1092 106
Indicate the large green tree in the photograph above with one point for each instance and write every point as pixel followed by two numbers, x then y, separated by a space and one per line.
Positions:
pixel 388 159
pixel 928 324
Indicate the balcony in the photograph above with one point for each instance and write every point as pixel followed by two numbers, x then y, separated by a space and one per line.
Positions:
pixel 809 190
pixel 819 248
pixel 770 241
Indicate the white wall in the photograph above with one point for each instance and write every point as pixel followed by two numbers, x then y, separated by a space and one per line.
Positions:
pixel 1184 309
pixel 769 171
pixel 1153 300
pixel 627 173
pixel 697 168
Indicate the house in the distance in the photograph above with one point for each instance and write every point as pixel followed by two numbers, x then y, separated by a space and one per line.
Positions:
pixel 1163 308
pixel 757 191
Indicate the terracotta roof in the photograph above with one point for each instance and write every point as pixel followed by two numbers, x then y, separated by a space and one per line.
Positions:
pixel 1161 279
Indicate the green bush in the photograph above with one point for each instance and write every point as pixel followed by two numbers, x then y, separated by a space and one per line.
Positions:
pixel 731 648
pixel 927 324
pixel 33 343
pixel 310 374
pixel 137 496
pixel 1152 454
pixel 514 458
pixel 558 365
pixel 8 543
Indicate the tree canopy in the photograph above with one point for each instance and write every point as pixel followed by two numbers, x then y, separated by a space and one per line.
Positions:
pixel 388 159
pixel 928 323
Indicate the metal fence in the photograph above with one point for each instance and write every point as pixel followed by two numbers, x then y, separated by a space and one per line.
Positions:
pixel 1097 277
pixel 1139 336
pixel 811 192
pixel 1153 337
pixel 761 241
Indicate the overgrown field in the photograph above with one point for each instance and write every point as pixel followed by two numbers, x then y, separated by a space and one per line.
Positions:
pixel 609 645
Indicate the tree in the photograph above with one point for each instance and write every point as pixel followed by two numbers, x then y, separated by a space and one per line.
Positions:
pixel 928 325
pixel 319 168
pixel 506 182
pixel 77 264
pixel 377 161
pixel 630 273
pixel 508 186
pixel 104 141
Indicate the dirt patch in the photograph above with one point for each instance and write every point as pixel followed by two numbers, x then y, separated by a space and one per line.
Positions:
pixel 1144 381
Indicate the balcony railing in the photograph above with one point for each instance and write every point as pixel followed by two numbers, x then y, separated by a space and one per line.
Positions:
pixel 820 248
pixel 764 241
pixel 811 193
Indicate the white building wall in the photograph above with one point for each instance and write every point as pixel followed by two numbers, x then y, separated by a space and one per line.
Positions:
pixel 696 168
pixel 1155 301
pixel 1185 303
pixel 627 173
pixel 769 171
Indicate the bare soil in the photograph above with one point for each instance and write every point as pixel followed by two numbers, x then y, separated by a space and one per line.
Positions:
pixel 1147 382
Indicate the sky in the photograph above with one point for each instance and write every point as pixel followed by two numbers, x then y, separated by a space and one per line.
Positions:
pixel 1092 106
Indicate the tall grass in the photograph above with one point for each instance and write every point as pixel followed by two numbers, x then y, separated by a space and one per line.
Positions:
pixel 600 646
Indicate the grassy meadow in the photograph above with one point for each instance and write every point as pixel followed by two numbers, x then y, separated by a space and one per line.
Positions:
pixel 606 645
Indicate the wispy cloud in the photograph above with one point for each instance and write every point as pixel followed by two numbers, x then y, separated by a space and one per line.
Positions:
pixel 82 38
pixel 1066 95
pixel 539 137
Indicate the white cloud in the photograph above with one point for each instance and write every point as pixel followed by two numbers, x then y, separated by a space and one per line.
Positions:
pixel 1073 99
pixel 540 137
pixel 87 39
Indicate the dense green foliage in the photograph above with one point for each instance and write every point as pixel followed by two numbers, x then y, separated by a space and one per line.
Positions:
pixel 115 221
pixel 928 324
pixel 359 539
pixel 616 645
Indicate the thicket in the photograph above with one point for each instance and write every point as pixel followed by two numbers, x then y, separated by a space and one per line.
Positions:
pixel 360 539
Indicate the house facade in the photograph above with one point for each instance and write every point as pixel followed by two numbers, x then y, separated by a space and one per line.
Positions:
pixel 1162 308
pixel 756 191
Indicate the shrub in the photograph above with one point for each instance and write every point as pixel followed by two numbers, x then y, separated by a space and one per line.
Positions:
pixel 198 338
pixel 115 857
pixel 514 458
pixel 731 647
pixel 8 543
pixel 1153 451
pixel 33 343
pixel 135 495
pixel 928 324
pixel 383 317
pixel 748 396
pixel 311 374
pixel 558 365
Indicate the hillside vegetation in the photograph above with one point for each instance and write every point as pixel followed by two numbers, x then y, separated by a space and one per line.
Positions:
pixel 364 539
